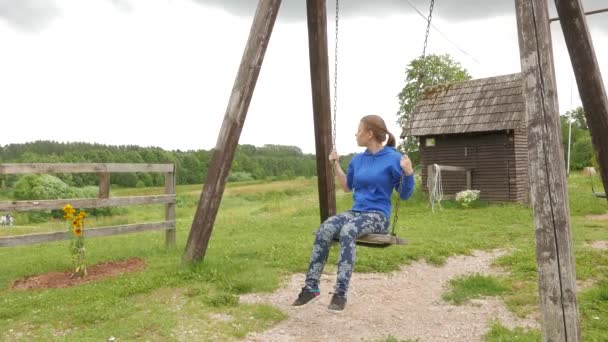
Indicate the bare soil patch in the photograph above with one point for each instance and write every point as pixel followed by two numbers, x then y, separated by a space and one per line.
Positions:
pixel 66 279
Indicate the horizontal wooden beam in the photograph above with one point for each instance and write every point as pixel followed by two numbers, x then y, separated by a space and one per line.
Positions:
pixel 586 13
pixel 8 169
pixel 453 168
pixel 85 203
pixel 21 240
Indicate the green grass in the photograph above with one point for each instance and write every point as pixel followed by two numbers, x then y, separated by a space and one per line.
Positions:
pixel 263 233
pixel 475 286
pixel 391 338
pixel 499 333
pixel 593 305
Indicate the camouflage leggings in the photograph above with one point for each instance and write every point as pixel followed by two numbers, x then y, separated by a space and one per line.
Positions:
pixel 346 226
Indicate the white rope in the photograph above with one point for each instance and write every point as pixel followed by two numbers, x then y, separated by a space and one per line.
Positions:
pixel 436 194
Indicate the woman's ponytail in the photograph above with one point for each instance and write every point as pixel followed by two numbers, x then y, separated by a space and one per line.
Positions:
pixel 391 140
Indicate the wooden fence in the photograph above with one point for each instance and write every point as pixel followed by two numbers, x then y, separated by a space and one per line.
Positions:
pixel 103 200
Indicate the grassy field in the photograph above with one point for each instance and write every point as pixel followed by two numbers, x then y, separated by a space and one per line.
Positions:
pixel 264 232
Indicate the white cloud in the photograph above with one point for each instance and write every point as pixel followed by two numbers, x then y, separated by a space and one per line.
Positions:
pixel 161 73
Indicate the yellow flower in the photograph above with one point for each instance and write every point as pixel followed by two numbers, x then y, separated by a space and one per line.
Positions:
pixel 77 222
pixel 77 231
pixel 82 214
pixel 68 211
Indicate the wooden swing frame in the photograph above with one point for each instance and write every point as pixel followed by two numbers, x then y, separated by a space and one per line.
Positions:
pixel 555 260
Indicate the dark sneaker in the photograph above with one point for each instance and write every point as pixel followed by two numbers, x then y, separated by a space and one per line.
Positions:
pixel 306 296
pixel 337 304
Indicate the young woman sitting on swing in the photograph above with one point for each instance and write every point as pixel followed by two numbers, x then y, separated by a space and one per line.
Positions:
pixel 372 176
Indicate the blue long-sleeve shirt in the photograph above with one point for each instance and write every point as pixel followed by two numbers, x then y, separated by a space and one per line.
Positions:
pixel 372 178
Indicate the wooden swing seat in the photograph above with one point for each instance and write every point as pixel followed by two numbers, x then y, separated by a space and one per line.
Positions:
pixel 378 240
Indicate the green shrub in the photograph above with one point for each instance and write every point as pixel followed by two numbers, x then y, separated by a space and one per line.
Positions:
pixel 582 153
pixel 240 177
pixel 41 187
pixel 48 187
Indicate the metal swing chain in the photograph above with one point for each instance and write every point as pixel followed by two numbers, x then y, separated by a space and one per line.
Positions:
pixel 420 77
pixel 335 76
pixel 334 126
pixel 428 28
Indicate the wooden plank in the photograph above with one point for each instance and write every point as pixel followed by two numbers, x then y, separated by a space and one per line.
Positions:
pixel 104 185
pixel 463 96
pixel 381 239
pixel 85 202
pixel 129 228
pixel 586 13
pixel 554 257
pixel 456 128
pixel 123 168
pixel 507 112
pixel 486 81
pixel 21 240
pixel 228 138
pixel 437 94
pixel 170 208
pixel 430 180
pixel 7 169
pixel 588 77
pixel 452 168
pixel 478 84
pixel 474 103
pixel 319 79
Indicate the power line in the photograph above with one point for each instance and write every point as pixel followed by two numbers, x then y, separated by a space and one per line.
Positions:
pixel 441 33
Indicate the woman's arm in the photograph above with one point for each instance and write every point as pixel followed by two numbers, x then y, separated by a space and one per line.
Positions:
pixel 334 157
pixel 341 176
pixel 404 183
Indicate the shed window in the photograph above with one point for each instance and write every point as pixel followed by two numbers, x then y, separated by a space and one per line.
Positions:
pixel 429 142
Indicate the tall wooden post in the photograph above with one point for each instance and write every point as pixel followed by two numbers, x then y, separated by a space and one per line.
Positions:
pixel 170 208
pixel 554 256
pixel 242 91
pixel 319 79
pixel 588 77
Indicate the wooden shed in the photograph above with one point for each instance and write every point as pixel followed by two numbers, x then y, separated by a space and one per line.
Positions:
pixel 479 125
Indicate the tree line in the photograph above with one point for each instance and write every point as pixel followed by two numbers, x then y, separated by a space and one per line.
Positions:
pixel 268 162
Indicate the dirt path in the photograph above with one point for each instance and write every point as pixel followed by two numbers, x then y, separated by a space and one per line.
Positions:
pixel 406 305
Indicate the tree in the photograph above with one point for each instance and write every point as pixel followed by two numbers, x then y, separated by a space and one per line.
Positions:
pixel 419 74
pixel 582 152
pixel 578 117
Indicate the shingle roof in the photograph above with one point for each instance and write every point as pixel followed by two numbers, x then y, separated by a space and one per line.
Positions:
pixel 480 105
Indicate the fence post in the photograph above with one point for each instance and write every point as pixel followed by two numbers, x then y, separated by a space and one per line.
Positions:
pixel 430 178
pixel 104 185
pixel 170 208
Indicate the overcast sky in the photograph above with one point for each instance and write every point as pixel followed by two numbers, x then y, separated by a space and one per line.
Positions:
pixel 159 72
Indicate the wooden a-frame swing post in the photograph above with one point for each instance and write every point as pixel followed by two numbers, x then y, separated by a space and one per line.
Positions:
pixel 548 186
pixel 319 78
pixel 234 119
pixel 555 260
pixel 588 77
pixel 236 113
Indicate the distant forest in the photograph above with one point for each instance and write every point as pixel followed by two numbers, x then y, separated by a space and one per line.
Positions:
pixel 269 162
